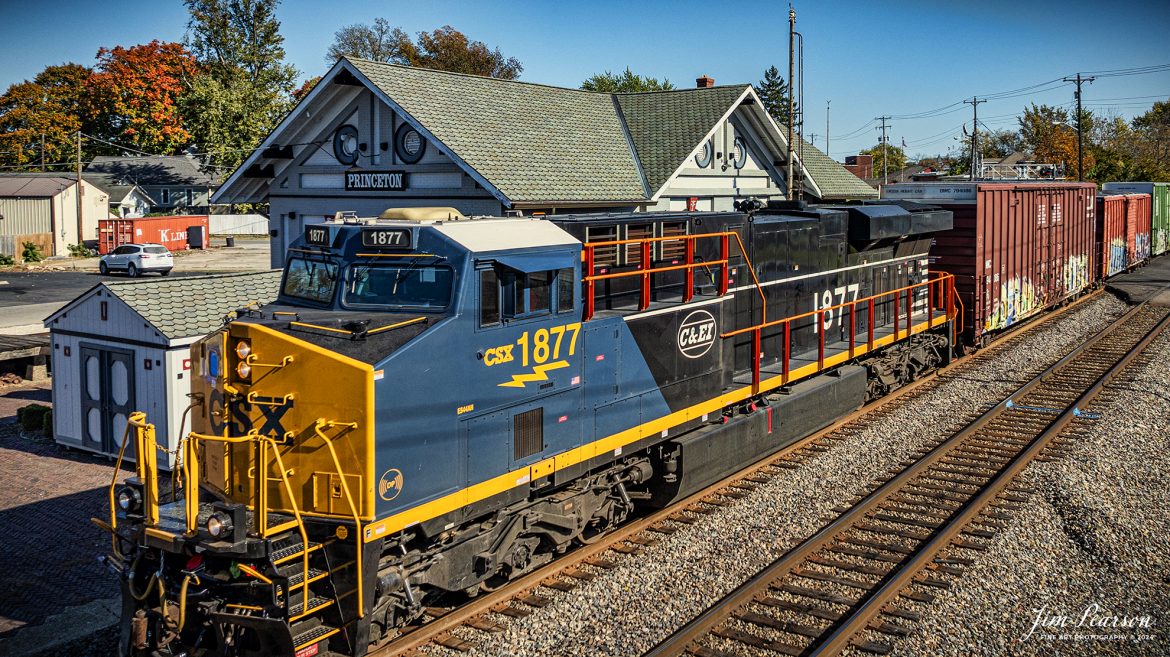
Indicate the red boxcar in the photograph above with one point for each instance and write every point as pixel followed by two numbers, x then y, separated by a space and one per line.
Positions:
pixel 1137 227
pixel 171 232
pixel 1110 236
pixel 1016 249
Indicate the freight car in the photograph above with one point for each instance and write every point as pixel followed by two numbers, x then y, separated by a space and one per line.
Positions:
pixel 1016 249
pixel 1159 209
pixel 1122 233
pixel 435 405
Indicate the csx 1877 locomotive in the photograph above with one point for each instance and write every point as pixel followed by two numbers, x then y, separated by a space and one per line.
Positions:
pixel 436 404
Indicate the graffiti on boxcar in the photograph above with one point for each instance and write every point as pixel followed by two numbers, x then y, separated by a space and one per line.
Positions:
pixel 1017 300
pixel 1159 240
pixel 1076 273
pixel 1141 248
pixel 1117 256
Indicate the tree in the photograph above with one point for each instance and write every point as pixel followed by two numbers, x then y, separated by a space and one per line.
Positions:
pixel 1050 136
pixel 628 82
pixel 378 42
pixel 246 86
pixel 773 92
pixel 1000 143
pixel 896 158
pixel 135 95
pixel 53 106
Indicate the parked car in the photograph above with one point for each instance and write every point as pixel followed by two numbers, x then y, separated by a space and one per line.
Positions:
pixel 135 259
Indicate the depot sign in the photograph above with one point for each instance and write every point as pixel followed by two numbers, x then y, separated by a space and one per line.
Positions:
pixel 375 181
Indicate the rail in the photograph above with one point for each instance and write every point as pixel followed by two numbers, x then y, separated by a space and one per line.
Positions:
pixel 646 268
pixel 940 295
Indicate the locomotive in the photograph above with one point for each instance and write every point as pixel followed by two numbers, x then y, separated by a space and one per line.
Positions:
pixel 437 404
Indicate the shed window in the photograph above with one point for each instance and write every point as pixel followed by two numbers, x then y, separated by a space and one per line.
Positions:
pixel 528 433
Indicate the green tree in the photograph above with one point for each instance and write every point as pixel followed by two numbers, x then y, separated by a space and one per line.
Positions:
pixel 894 156
pixel 246 87
pixel 378 42
pixel 54 105
pixel 1000 143
pixel 626 82
pixel 1051 137
pixel 773 92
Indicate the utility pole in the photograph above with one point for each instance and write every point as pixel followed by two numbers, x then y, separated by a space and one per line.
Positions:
pixel 42 151
pixel 1080 133
pixel 812 139
pixel 791 104
pixel 974 103
pixel 827 103
pixel 885 154
pixel 80 224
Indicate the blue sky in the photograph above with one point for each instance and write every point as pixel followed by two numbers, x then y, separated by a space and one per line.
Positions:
pixel 897 58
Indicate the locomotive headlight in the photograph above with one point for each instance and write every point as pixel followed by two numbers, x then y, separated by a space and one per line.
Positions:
pixel 244 370
pixel 219 524
pixel 129 499
pixel 243 349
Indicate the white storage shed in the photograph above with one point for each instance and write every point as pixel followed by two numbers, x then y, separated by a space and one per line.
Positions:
pixel 124 346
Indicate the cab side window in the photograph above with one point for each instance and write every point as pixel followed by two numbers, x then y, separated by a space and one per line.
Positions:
pixel 566 291
pixel 489 298
pixel 505 294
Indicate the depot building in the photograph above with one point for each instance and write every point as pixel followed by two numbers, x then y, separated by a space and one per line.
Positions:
pixel 370 136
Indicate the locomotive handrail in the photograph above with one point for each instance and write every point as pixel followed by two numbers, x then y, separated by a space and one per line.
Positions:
pixel 944 282
pixel 646 270
pixel 357 531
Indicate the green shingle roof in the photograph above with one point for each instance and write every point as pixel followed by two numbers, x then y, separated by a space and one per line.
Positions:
pixel 835 181
pixel 532 142
pixel 196 305
pixel 666 126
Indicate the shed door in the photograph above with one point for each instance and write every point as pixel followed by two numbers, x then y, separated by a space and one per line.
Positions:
pixel 107 397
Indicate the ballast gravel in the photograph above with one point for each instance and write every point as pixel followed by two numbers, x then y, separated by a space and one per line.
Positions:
pixel 629 609
pixel 1084 567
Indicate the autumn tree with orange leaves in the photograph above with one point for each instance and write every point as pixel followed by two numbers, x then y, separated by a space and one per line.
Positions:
pixel 135 94
pixel 39 119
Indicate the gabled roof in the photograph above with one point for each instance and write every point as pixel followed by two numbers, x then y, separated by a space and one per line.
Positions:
pixel 114 185
pixel 834 181
pixel 191 306
pixel 34 185
pixel 666 126
pixel 154 170
pixel 532 142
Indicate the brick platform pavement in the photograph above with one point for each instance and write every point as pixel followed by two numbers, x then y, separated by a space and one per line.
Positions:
pixel 48 547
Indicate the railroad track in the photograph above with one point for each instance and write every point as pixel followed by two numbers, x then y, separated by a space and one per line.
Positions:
pixel 525 595
pixel 853 586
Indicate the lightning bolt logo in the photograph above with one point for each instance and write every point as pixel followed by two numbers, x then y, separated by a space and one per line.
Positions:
pixel 539 373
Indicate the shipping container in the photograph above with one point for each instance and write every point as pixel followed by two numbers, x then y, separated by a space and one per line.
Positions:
pixel 171 232
pixel 1016 249
pixel 1137 226
pixel 1111 251
pixel 1159 210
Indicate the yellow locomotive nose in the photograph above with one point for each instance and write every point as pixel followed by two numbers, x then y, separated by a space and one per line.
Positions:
pixel 267 389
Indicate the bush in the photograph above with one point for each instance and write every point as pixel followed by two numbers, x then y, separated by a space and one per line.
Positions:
pixel 80 250
pixel 47 423
pixel 32 252
pixel 6 260
pixel 32 417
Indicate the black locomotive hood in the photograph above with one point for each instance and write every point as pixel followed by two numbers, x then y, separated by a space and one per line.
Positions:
pixel 368 337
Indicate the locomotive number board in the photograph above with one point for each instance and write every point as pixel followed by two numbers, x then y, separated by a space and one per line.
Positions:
pixel 317 235
pixel 386 238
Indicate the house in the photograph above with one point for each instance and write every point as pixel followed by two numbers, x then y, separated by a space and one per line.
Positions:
pixel 127 200
pixel 42 208
pixel 178 184
pixel 124 346
pixel 371 135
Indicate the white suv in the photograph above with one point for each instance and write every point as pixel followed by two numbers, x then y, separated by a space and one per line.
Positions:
pixel 138 258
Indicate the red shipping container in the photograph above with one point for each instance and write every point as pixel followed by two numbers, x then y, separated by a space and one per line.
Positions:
pixel 1110 236
pixel 1016 249
pixel 171 232
pixel 1138 226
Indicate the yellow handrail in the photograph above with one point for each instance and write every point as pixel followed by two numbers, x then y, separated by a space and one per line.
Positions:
pixel 300 522
pixel 348 498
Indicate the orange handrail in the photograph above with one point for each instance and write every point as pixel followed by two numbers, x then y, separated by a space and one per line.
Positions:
pixel 645 270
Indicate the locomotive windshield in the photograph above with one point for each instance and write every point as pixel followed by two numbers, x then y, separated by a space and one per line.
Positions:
pixel 311 280
pixel 411 286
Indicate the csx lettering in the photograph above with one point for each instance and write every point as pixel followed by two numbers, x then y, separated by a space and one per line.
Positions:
pixel 497 355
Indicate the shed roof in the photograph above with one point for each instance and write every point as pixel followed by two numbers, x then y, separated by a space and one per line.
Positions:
pixel 39 186
pixel 187 307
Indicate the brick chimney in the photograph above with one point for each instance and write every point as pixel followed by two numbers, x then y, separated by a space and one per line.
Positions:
pixel 705 82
